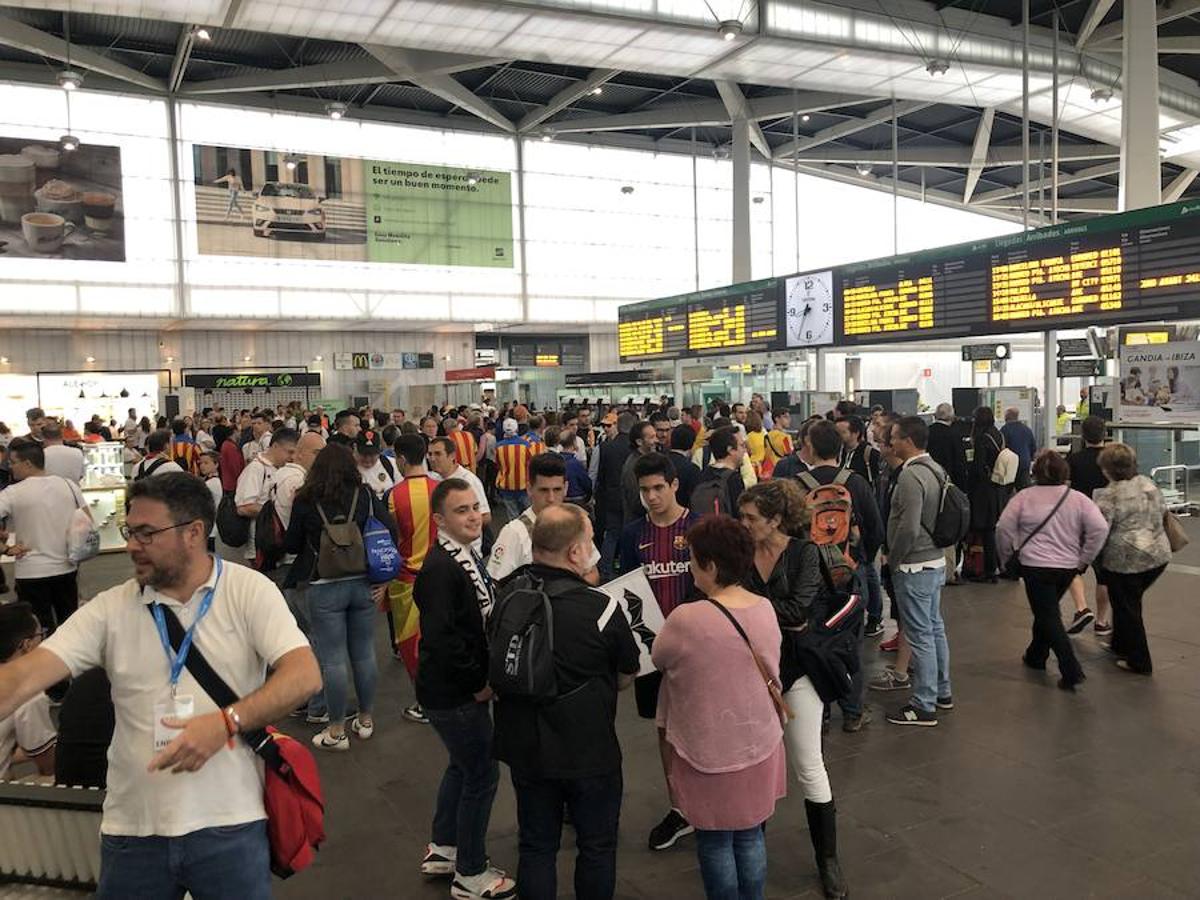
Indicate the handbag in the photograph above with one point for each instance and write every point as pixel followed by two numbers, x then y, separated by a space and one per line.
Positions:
pixel 1176 536
pixel 83 537
pixel 1012 568
pixel 292 785
pixel 773 686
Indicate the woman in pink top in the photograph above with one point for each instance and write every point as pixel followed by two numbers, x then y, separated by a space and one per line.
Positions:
pixel 727 765
pixel 1056 532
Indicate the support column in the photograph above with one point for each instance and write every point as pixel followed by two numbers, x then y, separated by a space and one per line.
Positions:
pixel 1050 388
pixel 741 200
pixel 679 384
pixel 519 143
pixel 820 379
pixel 1140 166
pixel 182 301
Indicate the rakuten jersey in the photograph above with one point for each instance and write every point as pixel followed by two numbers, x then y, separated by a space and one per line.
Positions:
pixel 663 553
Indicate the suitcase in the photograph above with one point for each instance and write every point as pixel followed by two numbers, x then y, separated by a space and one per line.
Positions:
pixel 972 565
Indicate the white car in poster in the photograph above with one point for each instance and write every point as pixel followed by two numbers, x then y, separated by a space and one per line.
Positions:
pixel 280 207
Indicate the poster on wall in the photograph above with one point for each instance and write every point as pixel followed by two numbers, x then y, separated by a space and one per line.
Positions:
pixel 60 205
pixel 1160 383
pixel 307 206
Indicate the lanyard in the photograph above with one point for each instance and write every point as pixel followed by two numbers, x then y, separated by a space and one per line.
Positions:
pixel 179 660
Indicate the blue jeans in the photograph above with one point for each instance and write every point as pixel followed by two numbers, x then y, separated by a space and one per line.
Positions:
pixel 733 864
pixel 464 800
pixel 920 596
pixel 515 502
pixel 595 807
pixel 216 863
pixel 608 550
pixel 343 620
pixel 874 592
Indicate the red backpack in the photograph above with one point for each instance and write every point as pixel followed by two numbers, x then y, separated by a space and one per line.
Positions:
pixel 829 511
pixel 295 807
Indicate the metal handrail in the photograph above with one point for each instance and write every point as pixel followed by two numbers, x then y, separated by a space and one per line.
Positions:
pixel 1176 501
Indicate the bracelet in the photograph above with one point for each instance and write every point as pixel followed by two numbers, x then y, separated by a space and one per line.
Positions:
pixel 233 724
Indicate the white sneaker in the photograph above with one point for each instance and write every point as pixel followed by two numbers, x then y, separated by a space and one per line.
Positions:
pixel 323 740
pixel 361 730
pixel 490 884
pixel 438 861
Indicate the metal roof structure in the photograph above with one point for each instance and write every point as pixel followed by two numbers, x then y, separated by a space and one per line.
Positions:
pixel 823 81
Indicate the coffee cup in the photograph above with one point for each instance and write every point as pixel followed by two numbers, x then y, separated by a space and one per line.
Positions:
pixel 44 232
pixel 98 208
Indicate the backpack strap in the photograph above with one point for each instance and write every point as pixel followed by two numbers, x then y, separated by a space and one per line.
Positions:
pixel 943 486
pixel 1044 521
pixel 842 476
pixel 806 478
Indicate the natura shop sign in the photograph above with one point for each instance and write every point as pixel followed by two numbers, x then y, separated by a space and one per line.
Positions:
pixel 229 381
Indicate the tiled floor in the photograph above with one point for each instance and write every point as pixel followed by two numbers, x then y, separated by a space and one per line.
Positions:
pixel 1022 791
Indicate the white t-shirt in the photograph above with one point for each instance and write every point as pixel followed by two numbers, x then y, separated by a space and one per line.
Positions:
pixel 129 427
pixel 167 466
pixel 255 446
pixel 514 547
pixel 287 481
pixel 213 483
pixel 377 477
pixel 29 728
pixel 65 461
pixel 39 511
pixel 254 486
pixel 248 628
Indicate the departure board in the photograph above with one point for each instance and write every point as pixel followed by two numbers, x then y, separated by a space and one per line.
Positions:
pixel 1139 266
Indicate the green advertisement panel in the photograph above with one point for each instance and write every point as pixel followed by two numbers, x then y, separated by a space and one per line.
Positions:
pixel 437 215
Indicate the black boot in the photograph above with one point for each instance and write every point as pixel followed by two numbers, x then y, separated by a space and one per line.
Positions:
pixel 822 826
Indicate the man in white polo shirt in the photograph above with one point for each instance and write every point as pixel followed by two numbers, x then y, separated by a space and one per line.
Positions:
pixel 184 811
pixel 255 482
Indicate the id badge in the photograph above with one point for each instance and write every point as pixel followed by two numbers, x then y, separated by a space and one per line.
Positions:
pixel 181 706
pixel 970 454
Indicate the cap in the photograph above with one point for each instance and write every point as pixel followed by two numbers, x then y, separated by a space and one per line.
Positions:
pixel 365 445
pixel 510 426
pixel 610 418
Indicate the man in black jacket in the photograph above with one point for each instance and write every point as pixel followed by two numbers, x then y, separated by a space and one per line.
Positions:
pixel 454 596
pixel 946 445
pixel 822 446
pixel 566 752
pixel 609 510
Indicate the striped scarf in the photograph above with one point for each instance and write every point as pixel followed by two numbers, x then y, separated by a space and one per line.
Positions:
pixel 472 565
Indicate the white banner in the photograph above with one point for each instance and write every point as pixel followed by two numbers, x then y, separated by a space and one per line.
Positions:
pixel 636 599
pixel 1160 383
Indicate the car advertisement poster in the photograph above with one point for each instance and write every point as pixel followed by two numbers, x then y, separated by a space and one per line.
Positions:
pixel 1160 383
pixel 60 204
pixel 308 206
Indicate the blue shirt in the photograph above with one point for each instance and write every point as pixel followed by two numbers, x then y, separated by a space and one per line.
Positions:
pixel 1018 437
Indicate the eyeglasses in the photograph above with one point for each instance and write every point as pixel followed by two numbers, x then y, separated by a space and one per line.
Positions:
pixel 145 536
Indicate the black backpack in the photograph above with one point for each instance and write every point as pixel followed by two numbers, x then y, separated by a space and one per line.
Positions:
pixel 233 529
pixel 268 536
pixel 145 471
pixel 521 640
pixel 953 518
pixel 712 495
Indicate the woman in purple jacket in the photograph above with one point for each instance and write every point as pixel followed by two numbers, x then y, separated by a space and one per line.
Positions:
pixel 1055 532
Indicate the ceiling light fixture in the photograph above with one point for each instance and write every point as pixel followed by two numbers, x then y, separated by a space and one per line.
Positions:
pixel 3 360
pixel 170 359
pixel 863 169
pixel 472 178
pixel 201 33
pixel 937 68
pixel 805 117
pixel 290 163
pixel 1100 96
pixel 597 91
pixel 69 143
pixel 627 189
pixel 336 110
pixel 547 137
pixel 247 358
pixel 90 359
pixel 70 80
pixel 729 29
pixel 318 358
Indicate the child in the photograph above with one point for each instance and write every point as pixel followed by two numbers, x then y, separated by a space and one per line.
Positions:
pixel 28 734
pixel 209 463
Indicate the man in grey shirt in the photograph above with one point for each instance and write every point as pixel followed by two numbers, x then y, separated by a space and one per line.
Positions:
pixel 918 571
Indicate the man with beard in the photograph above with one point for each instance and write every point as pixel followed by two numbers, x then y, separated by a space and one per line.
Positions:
pixel 184 809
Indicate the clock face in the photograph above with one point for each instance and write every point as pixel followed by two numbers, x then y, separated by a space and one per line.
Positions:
pixel 808 311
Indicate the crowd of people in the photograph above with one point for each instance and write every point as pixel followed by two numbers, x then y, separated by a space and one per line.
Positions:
pixel 769 546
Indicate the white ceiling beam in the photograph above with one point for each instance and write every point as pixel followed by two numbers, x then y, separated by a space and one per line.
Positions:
pixel 422 69
pixel 952 157
pixel 1178 185
pixel 183 53
pixel 1091 20
pixel 1185 44
pixel 853 126
pixel 354 71
pixel 564 98
pixel 428 62
pixel 1080 205
pixel 1092 172
pixel 983 138
pixel 738 109
pixel 1168 12
pixel 22 37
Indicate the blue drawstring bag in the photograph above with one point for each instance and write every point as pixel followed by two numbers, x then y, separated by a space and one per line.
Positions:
pixel 383 557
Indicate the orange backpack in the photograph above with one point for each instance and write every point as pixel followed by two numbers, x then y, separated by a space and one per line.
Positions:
pixel 829 511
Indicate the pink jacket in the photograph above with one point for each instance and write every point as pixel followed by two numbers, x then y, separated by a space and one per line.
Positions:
pixel 1072 538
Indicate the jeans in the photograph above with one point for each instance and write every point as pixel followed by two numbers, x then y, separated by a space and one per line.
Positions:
pixel 343 619
pixel 920 596
pixel 733 864
pixel 1125 592
pixel 802 736
pixel 595 807
pixel 464 801
pixel 515 502
pixel 298 603
pixel 1044 588
pixel 873 592
pixel 608 550
pixel 217 863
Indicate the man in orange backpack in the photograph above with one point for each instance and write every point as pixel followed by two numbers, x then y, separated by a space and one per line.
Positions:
pixel 822 447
